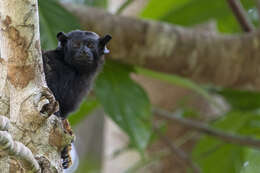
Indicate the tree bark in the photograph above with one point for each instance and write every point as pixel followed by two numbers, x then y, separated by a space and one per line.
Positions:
pixel 205 57
pixel 31 138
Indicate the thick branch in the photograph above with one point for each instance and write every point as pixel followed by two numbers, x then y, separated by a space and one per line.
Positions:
pixel 204 128
pixel 241 15
pixel 205 57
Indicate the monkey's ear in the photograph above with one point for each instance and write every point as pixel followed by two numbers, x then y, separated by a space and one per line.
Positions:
pixel 103 41
pixel 62 37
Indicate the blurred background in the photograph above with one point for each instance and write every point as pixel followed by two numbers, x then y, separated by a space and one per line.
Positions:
pixel 147 121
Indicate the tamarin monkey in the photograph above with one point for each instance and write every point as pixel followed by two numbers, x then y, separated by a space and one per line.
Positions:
pixel 71 68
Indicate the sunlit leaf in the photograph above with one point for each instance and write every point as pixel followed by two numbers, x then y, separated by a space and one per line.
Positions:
pixel 155 10
pixel 192 12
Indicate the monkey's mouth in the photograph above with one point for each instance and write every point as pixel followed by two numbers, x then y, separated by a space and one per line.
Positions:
pixel 85 58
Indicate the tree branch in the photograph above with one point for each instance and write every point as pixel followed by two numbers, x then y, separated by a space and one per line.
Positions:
pixel 241 15
pixel 204 128
pixel 204 57
pixel 176 150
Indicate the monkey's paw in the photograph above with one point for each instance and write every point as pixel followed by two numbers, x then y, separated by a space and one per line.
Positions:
pixel 66 158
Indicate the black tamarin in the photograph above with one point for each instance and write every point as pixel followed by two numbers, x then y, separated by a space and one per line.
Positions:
pixel 71 68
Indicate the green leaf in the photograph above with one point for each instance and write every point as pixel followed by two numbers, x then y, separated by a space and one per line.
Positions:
pixel 230 158
pixel 192 12
pixel 125 102
pixel 244 123
pixel 241 99
pixel 197 11
pixel 252 160
pixel 53 19
pixel 224 158
pixel 155 10
pixel 85 108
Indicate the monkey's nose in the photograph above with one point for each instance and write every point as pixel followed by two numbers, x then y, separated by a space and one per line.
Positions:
pixel 85 53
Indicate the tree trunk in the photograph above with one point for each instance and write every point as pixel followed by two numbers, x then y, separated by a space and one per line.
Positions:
pixel 26 104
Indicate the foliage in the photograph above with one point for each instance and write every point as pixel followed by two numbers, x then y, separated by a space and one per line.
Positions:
pixel 230 158
pixel 125 102
pixel 192 12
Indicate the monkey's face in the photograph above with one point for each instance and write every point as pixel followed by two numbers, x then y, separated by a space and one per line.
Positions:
pixel 83 50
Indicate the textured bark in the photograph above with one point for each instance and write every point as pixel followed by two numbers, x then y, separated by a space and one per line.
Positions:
pixel 205 57
pixel 34 133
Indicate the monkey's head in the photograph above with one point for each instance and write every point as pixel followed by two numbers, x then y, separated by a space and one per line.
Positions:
pixel 83 50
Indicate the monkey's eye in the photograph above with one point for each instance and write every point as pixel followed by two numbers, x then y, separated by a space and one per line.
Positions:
pixel 76 44
pixel 90 45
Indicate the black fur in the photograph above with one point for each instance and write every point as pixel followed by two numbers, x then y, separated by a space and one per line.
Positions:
pixel 71 68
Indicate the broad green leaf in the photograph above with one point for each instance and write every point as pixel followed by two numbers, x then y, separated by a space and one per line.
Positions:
pixel 192 12
pixel 197 11
pixel 156 10
pixel 241 99
pixel 225 158
pixel 53 19
pixel 85 108
pixel 125 102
